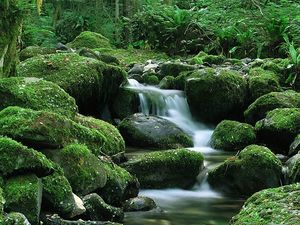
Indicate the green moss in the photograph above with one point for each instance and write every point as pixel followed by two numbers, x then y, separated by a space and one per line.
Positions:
pixel 83 169
pixel 174 69
pixel 2 202
pixel 203 57
pixel 279 128
pixel 57 193
pixel 36 94
pixel 262 82
pixel 49 130
pixel 33 51
pixel 293 171
pixel 166 169
pixel 91 82
pixel 258 109
pixel 150 79
pixel 253 169
pixel 113 142
pixel 271 206
pixel 120 185
pixel 215 95
pixel 16 158
pixel 15 218
pixel 232 136
pixel 167 82
pixel 90 40
pixel 24 194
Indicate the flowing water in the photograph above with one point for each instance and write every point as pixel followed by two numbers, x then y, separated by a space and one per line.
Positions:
pixel 200 205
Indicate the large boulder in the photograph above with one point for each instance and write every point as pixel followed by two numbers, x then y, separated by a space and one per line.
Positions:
pixel 216 95
pixel 98 210
pixel 113 142
pixel 140 130
pixel 232 136
pixel 36 93
pixel 271 206
pixel 120 184
pixel 24 194
pixel 41 129
pixel 259 109
pixel 166 169
pixel 279 128
pixel 57 193
pixel 83 169
pixel 18 159
pixel 32 51
pixel 262 82
pixel 91 82
pixel 253 169
pixel 90 40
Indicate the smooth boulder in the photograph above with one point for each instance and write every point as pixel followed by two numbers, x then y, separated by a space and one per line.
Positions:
pixel 90 40
pixel 253 169
pixel 140 130
pixel 166 169
pixel 232 136
pixel 214 95
pixel 139 203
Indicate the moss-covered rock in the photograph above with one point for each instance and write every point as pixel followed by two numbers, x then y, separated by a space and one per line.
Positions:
pixel 43 129
pixel 295 146
pixel 91 82
pixel 15 218
pixel 2 202
pixel 215 95
pixel 167 82
pixel 174 69
pixel 279 128
pixel 83 169
pixel 33 51
pixel 125 104
pixel 113 142
pixel 262 82
pixel 57 193
pixel 90 40
pixel 166 169
pixel 98 210
pixel 16 158
pixel 36 94
pixel 11 18
pixel 253 169
pixel 203 57
pixel 293 169
pixel 271 206
pixel 151 79
pixel 120 185
pixel 139 203
pixel 151 131
pixel 232 136
pixel 259 109
pixel 24 194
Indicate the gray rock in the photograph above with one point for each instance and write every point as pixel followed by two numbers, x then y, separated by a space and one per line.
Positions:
pixel 140 203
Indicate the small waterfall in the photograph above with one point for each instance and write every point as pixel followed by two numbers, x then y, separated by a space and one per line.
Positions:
pixel 171 105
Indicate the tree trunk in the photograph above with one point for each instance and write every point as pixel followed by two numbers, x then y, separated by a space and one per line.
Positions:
pixel 10 23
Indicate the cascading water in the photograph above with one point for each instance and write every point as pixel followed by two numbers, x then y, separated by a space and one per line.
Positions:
pixel 173 106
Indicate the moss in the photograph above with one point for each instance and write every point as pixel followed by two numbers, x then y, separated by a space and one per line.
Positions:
pixel 253 169
pixel 24 194
pixel 167 82
pixel 120 185
pixel 293 171
pixel 83 169
pixel 10 22
pixel 259 109
pixel 57 193
pixel 90 40
pixel 2 202
pixel 174 69
pixel 166 169
pixel 150 79
pixel 16 158
pixel 233 136
pixel 33 51
pixel 279 128
pixel 203 57
pixel 113 142
pixel 262 82
pixel 109 59
pixel 36 94
pixel 271 206
pixel 215 95
pixel 91 82
pixel 15 218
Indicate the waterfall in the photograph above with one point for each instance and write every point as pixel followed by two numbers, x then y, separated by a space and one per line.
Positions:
pixel 173 106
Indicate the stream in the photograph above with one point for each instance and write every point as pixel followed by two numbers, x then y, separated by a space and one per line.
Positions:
pixel 200 205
